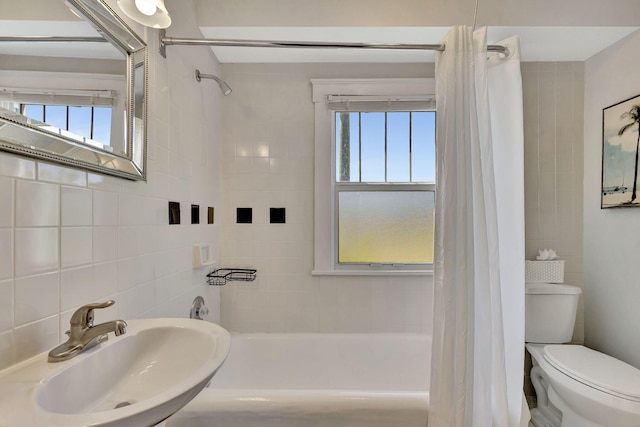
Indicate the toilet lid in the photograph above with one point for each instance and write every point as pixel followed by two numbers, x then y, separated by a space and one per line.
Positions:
pixel 596 370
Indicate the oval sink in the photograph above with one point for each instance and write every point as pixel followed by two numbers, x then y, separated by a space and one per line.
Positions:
pixel 137 379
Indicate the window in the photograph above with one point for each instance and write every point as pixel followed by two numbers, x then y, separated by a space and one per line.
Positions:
pixel 375 212
pixel 384 188
pixel 92 122
pixel 87 116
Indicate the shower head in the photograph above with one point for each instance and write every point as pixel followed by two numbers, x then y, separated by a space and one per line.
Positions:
pixel 224 87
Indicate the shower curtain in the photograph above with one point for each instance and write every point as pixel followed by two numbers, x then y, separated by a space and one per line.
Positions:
pixel 478 337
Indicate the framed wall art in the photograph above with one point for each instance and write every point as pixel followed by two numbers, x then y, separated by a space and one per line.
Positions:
pixel 620 145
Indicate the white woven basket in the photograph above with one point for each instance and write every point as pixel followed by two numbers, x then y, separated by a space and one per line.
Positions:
pixel 544 271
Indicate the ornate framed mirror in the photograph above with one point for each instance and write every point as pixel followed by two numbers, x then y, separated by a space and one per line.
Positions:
pixel 74 92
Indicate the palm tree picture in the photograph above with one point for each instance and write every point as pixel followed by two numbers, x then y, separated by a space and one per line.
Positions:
pixel 634 115
pixel 620 154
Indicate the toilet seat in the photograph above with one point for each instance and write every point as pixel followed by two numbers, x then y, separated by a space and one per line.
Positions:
pixel 596 370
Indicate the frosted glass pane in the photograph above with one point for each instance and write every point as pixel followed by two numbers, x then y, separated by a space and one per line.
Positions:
pixel 385 227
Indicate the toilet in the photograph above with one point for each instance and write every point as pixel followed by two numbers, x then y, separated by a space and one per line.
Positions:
pixel 576 386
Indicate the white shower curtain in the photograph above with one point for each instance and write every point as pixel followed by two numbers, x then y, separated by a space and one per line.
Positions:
pixel 478 337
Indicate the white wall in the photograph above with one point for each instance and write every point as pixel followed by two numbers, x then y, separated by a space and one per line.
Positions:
pixel 68 237
pixel 267 161
pixel 611 280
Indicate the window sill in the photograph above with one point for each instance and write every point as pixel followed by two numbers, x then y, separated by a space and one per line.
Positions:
pixel 372 272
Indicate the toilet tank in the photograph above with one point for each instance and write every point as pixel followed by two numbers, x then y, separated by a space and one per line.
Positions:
pixel 550 312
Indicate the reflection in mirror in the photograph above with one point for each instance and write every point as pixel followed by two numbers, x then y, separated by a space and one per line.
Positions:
pixel 73 89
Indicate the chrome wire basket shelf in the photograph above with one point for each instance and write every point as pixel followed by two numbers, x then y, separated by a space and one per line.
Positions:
pixel 221 276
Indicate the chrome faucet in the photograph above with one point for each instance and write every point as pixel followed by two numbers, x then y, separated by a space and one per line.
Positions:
pixel 83 335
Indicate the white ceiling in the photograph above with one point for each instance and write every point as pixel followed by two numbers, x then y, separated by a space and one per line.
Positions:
pixel 537 43
pixel 55 49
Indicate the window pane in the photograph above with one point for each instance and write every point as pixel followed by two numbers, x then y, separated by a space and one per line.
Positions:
pixel 102 125
pixel 347 147
pixel 423 146
pixel 80 121
pixel 372 143
pixel 398 147
pixel 56 115
pixel 34 112
pixel 385 226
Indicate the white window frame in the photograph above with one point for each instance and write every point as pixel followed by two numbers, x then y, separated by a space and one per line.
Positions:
pixel 324 183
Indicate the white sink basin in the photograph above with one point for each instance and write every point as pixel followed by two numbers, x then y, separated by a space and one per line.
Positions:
pixel 137 379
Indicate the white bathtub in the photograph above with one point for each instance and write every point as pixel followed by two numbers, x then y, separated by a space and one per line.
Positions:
pixel 316 380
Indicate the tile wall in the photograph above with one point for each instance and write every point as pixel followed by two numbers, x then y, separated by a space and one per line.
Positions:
pixel 267 152
pixel 68 237
pixel 115 238
pixel 553 135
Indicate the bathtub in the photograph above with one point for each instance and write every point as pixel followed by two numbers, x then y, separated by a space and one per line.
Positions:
pixel 316 380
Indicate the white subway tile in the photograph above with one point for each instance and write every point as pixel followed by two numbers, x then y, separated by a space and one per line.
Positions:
pixel 104 182
pixel 128 241
pixel 6 253
pixel 61 175
pixel 36 297
pixel 105 243
pixel 243 149
pixel 127 273
pixel 77 206
pixel 138 300
pixel 105 208
pixel 7 198
pixel 18 167
pixel 36 250
pixel 37 204
pixel 129 207
pixel 76 246
pixel 261 149
pixel 36 337
pixel 105 279
pixel 76 287
pixel 146 270
pixel 6 305
pixel 6 349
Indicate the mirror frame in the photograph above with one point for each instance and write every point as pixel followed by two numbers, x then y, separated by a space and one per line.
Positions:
pixel 30 140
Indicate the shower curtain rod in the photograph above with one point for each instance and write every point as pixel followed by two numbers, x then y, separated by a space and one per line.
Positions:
pixel 167 41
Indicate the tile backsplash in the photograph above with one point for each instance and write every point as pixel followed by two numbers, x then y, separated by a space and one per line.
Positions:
pixel 268 162
pixel 70 237
pixel 267 151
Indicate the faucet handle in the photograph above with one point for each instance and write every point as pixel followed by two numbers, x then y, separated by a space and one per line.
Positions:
pixel 84 315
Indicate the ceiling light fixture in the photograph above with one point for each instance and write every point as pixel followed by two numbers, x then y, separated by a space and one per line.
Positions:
pixel 151 13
